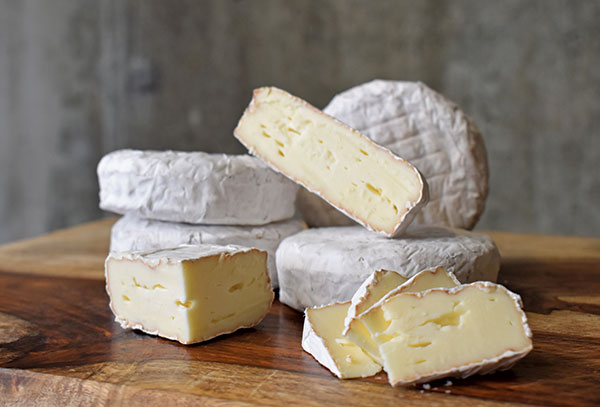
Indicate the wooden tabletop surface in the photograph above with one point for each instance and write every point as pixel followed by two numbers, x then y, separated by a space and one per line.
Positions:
pixel 60 346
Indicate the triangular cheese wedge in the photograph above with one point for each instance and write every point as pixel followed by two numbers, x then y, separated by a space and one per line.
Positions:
pixel 365 181
pixel 322 338
pixel 474 328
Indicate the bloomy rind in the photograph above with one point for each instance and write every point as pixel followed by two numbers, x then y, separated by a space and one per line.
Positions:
pixel 405 219
pixel 137 256
pixel 325 265
pixel 501 362
pixel 194 187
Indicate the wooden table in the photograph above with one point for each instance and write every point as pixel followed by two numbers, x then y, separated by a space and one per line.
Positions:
pixel 60 346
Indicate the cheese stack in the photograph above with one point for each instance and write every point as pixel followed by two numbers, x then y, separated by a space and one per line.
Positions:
pixel 171 198
pixel 356 178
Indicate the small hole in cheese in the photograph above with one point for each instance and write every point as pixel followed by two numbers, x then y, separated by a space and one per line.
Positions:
pixel 419 345
pixel 236 287
pixel 126 298
pixel 376 191
pixel 279 143
pixel 363 151
pixel 186 304
pixel 264 133
pixel 280 153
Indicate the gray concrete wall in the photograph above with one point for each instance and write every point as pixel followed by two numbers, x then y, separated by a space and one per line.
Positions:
pixel 79 78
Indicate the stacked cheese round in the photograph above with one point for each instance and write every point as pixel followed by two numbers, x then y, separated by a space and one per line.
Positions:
pixel 171 198
pixel 196 187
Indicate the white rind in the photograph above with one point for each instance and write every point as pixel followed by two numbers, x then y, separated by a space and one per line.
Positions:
pixel 326 265
pixel 131 233
pixel 153 258
pixel 426 129
pixel 411 209
pixel 194 187
pixel 502 362
pixel 316 346
pixel 174 255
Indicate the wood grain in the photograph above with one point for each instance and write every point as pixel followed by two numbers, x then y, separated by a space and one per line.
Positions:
pixel 57 337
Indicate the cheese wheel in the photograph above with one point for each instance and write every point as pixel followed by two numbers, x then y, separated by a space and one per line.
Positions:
pixel 325 265
pixel 194 187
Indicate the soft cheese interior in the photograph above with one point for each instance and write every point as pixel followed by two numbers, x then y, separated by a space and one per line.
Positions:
pixel 322 337
pixel 475 328
pixel 364 180
pixel 191 293
pixel 377 289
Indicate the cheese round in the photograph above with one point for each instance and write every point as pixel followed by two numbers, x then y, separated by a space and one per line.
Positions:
pixel 324 265
pixel 131 233
pixel 425 128
pixel 194 187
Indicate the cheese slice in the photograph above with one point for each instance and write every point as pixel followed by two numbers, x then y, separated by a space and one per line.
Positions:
pixel 132 233
pixel 377 289
pixel 474 328
pixel 430 131
pixel 322 338
pixel 189 293
pixel 195 187
pixel 374 288
pixel 365 181
pixel 326 265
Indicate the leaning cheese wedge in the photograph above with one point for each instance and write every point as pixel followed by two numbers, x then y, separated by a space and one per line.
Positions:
pixel 322 338
pixel 189 293
pixel 380 286
pixel 469 329
pixel 360 178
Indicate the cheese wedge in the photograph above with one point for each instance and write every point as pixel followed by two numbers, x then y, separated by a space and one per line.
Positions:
pixel 360 178
pixel 379 287
pixel 474 328
pixel 322 338
pixel 189 293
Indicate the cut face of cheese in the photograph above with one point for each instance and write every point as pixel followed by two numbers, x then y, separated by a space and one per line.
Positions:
pixel 325 265
pixel 376 290
pixel 132 233
pixel 365 181
pixel 194 187
pixel 430 131
pixel 189 293
pixel 475 328
pixel 372 290
pixel 322 338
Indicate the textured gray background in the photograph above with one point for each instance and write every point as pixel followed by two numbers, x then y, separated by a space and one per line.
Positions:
pixel 79 78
